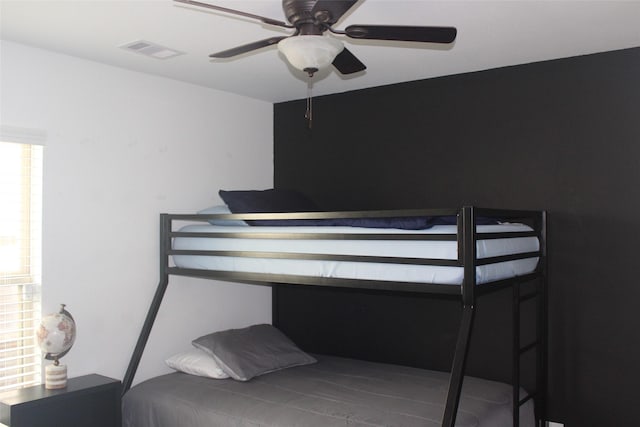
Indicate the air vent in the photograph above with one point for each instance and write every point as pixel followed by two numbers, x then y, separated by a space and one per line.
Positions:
pixel 153 50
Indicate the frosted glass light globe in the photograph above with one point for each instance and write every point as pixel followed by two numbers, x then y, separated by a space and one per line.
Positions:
pixel 310 53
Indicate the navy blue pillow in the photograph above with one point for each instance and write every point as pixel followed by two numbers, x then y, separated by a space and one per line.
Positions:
pixel 405 223
pixel 264 201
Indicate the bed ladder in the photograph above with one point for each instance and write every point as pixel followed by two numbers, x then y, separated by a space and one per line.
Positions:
pixel 520 350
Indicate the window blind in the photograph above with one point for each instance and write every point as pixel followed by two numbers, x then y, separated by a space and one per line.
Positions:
pixel 20 263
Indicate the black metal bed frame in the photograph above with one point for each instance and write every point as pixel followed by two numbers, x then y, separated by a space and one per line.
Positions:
pixel 468 291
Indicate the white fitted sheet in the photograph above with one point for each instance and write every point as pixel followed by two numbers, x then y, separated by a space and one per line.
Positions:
pixel 446 250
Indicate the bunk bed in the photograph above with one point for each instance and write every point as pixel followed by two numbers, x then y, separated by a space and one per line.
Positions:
pixel 462 253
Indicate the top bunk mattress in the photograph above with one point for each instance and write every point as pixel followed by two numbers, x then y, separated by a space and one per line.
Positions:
pixel 247 254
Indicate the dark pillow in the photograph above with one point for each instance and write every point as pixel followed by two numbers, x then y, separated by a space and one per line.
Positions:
pixel 246 353
pixel 273 200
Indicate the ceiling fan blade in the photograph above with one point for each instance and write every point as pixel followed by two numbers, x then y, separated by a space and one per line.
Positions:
pixel 247 47
pixel 236 12
pixel 402 33
pixel 347 63
pixel 336 9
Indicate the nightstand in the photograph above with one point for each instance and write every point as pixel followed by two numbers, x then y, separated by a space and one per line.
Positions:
pixel 87 401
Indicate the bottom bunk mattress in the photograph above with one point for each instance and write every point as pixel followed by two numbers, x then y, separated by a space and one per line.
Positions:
pixel 333 392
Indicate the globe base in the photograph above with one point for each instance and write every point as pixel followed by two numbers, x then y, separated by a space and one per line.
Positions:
pixel 55 376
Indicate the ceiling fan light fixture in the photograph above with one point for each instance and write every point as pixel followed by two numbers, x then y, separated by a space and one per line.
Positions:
pixel 310 53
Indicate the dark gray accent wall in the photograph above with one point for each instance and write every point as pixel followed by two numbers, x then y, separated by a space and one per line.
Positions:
pixel 561 135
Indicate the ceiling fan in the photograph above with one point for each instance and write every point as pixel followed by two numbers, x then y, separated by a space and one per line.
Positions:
pixel 309 50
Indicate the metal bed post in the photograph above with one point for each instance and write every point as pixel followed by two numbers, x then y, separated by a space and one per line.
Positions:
pixel 542 327
pixel 165 229
pixel 466 229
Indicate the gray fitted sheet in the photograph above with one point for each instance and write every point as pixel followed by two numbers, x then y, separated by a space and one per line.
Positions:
pixel 333 392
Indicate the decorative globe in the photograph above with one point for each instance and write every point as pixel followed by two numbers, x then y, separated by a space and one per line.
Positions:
pixel 56 334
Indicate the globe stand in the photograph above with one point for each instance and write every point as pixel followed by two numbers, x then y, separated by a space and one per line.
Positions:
pixel 55 376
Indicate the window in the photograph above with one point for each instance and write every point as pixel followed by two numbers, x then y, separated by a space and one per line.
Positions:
pixel 20 249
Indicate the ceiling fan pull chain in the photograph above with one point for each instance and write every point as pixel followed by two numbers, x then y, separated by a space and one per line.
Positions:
pixel 309 113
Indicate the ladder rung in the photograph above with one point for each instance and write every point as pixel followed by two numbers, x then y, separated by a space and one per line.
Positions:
pixel 528 347
pixel 528 296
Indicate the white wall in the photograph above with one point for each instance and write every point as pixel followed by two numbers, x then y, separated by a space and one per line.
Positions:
pixel 121 148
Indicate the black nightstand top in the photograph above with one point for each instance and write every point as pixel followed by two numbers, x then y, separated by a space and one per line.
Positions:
pixel 37 392
pixel 90 400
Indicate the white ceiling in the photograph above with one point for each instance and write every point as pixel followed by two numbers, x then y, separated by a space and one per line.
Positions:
pixel 490 34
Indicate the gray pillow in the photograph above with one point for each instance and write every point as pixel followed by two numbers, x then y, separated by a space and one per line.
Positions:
pixel 249 352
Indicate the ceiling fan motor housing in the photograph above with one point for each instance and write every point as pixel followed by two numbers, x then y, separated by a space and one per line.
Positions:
pixel 301 15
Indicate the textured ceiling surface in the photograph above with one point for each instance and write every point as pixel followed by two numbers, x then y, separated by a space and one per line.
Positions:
pixel 490 34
